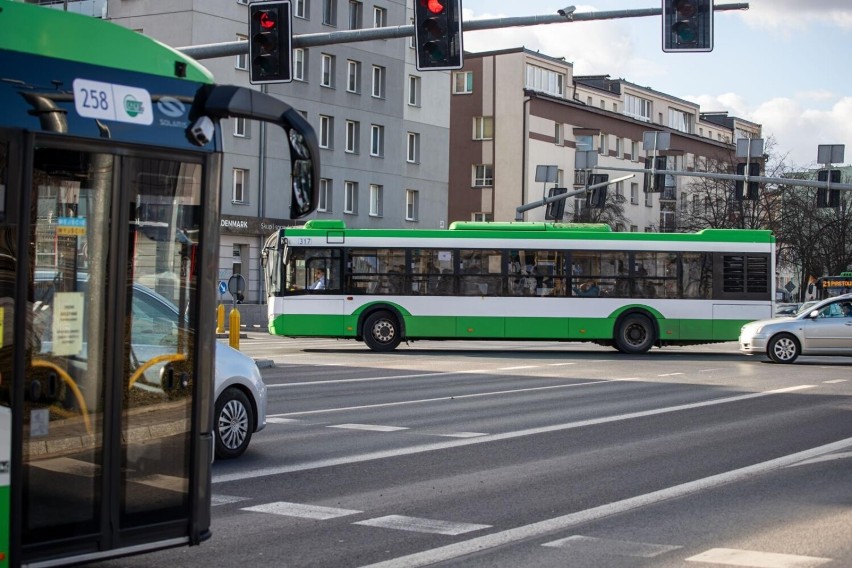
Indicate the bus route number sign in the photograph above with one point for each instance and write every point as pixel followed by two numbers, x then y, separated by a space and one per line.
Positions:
pixel 107 101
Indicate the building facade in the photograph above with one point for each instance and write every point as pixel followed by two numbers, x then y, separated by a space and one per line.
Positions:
pixel 514 110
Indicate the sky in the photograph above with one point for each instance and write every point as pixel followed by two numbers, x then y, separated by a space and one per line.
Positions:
pixel 784 64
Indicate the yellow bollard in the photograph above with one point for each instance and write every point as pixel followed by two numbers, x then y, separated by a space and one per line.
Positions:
pixel 234 332
pixel 220 319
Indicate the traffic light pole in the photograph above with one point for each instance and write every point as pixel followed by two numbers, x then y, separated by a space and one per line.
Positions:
pixel 519 211
pixel 226 49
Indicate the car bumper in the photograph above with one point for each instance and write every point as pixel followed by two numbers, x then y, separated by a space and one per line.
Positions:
pixel 753 345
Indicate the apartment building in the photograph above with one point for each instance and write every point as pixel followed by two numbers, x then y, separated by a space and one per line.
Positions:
pixel 383 127
pixel 526 109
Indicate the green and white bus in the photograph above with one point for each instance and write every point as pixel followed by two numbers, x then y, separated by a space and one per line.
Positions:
pixel 110 175
pixel 518 281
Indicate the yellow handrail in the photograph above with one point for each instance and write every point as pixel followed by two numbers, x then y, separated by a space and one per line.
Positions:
pixel 72 385
pixel 171 357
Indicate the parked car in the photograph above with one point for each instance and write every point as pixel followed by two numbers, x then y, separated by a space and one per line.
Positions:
pixel 240 393
pixel 823 329
pixel 786 309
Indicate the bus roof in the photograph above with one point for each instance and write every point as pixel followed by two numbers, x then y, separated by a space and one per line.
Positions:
pixel 537 230
pixel 65 35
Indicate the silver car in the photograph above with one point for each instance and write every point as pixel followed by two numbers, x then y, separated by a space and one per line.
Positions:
pixel 823 329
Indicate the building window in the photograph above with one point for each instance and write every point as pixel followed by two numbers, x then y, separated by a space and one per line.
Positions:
pixel 377 140
pixel 239 188
pixel 412 204
pixel 546 81
pixel 300 9
pixel 634 150
pixel 614 107
pixel 462 82
pixel 350 197
pixel 242 59
pixel 329 12
pixel 299 64
pixel 355 15
pixel 327 77
pixel 680 120
pixel 324 202
pixel 380 17
pixel 648 202
pixel 483 175
pixel 353 131
pixel 241 127
pixel 353 80
pixel 634 193
pixel 483 127
pixel 326 132
pixel 619 148
pixel 414 90
pixel 638 107
pixel 557 133
pixel 583 143
pixel 378 82
pixel 603 144
pixel 376 200
pixel 634 228
pixel 413 148
pixel 242 1
pixel 482 217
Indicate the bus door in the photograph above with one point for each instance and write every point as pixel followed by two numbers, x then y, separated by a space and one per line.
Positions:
pixel 108 415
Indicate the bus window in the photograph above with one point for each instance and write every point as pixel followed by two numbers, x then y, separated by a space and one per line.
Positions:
pixel 480 272
pixel 697 275
pixel 427 268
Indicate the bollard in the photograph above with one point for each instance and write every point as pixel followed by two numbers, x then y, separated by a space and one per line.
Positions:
pixel 234 332
pixel 220 319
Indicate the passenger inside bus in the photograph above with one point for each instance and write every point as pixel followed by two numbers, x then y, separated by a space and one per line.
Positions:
pixel 319 279
pixel 589 288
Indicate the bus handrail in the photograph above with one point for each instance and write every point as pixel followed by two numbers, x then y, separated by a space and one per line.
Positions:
pixel 66 378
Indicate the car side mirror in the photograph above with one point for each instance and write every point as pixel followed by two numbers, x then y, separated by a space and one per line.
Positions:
pixel 814 314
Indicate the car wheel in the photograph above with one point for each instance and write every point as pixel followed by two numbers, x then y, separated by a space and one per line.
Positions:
pixel 382 331
pixel 783 348
pixel 635 334
pixel 234 421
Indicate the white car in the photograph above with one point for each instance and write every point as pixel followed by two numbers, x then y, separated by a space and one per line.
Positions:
pixel 823 329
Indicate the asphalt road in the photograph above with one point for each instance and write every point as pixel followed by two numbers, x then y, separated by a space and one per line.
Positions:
pixel 522 454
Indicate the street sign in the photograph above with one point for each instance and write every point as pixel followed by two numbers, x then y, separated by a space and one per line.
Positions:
pixel 223 287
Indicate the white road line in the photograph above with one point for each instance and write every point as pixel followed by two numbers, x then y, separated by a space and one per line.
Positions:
pixel 462 435
pixel 279 420
pixel 755 559
pixel 369 427
pixel 559 364
pixel 278 470
pixel 226 499
pixel 548 526
pixel 835 381
pixel 301 511
pixel 456 397
pixel 610 546
pixel 671 374
pixel 517 368
pixel 366 379
pixel 825 458
pixel 416 524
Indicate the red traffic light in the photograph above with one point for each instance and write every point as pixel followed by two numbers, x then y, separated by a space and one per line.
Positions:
pixel 268 20
pixel 434 6
pixel 685 8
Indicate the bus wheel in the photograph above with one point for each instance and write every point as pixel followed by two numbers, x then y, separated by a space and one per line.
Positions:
pixel 635 334
pixel 783 348
pixel 234 422
pixel 382 331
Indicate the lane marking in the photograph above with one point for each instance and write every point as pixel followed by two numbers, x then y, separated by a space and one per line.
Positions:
pixel 416 524
pixel 455 397
pixel 548 526
pixel 411 450
pixel 216 500
pixel 516 368
pixel 835 381
pixel 279 420
pixel 733 557
pixel 301 511
pixel 366 379
pixel 462 435
pixel 825 458
pixel 368 427
pixel 671 374
pixel 582 543
pixel 559 364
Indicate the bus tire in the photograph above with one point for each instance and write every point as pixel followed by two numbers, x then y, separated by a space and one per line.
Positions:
pixel 635 334
pixel 783 348
pixel 233 422
pixel 382 331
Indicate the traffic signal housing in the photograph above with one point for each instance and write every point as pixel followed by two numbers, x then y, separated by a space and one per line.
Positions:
pixel 740 190
pixel 556 209
pixel 828 197
pixel 597 196
pixel 270 42
pixel 438 34
pixel 687 25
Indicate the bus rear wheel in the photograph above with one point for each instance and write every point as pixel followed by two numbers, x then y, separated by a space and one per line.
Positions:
pixel 382 331
pixel 635 334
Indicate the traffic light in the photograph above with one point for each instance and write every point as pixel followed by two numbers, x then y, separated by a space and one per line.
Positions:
pixel 687 25
pixel 270 42
pixel 438 34
pixel 739 185
pixel 657 182
pixel 597 196
pixel 556 209
pixel 828 197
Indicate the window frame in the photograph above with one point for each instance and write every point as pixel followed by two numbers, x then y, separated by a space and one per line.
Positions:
pixel 412 148
pixel 239 179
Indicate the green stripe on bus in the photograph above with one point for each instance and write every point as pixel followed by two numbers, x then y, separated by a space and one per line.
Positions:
pixel 43 31
pixel 5 505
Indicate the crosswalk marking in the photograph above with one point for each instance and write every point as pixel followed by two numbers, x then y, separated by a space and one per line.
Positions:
pixel 756 559
pixel 610 546
pixel 301 511
pixel 370 427
pixel 416 524
pixel 226 499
